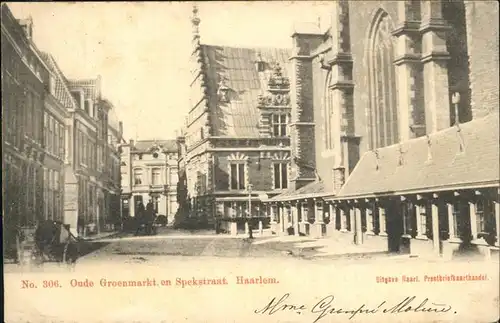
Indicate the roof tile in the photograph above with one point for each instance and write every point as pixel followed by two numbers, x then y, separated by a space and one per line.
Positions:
pixel 436 167
pixel 239 117
pixel 145 145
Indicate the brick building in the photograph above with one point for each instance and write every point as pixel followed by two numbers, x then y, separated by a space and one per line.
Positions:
pixel 149 171
pixel 24 76
pixel 235 148
pixel 412 87
pixel 44 157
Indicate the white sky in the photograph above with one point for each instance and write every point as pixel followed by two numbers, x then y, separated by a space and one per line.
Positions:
pixel 141 49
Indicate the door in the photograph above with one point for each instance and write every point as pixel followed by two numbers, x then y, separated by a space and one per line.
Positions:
pixel 394 226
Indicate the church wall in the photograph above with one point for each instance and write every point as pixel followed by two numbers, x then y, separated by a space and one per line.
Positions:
pixel 482 41
pixel 361 17
pixel 324 157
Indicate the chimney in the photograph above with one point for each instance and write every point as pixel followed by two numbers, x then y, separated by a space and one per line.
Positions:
pixel 27 26
pixel 131 141
pixel 120 127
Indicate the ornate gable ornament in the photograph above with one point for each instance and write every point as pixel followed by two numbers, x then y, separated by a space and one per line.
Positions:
pixel 278 88
pixel 238 157
pixel 155 149
pixel 223 91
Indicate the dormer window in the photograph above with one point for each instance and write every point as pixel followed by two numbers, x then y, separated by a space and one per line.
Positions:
pixel 87 106
pixel 52 85
pixel 223 91
pixel 260 64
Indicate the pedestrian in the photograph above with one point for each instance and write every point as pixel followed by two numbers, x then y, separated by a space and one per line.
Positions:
pixel 139 213
pixel 250 230
pixel 150 215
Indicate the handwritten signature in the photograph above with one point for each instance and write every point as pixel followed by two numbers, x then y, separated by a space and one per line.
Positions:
pixel 325 307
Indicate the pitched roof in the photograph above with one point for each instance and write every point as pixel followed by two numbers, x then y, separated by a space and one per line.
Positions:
pixel 145 145
pixel 435 167
pixel 91 87
pixel 240 116
pixel 62 92
pixel 314 189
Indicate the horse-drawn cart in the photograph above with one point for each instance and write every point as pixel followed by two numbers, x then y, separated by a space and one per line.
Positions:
pixel 49 241
pixel 55 242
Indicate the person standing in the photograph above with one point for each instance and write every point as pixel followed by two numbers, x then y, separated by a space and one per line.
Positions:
pixel 139 213
pixel 150 216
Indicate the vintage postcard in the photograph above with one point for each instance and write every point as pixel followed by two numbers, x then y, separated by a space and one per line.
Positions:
pixel 304 161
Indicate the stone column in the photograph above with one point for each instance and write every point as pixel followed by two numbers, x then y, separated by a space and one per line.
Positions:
pixel 369 220
pixel 382 221
pixel 451 223
pixel 272 214
pixel 233 228
pixel 434 58
pixel 333 217
pixel 497 221
pixel 352 219
pixel 282 218
pixel 343 219
pixel 408 71
pixel 286 215
pixel 418 213
pixel 295 217
pixel 473 220
pixel 435 228
pixel 131 206
pixel 302 211
pixel 318 219
pixel 358 234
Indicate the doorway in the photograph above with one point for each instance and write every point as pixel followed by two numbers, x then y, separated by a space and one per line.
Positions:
pixel 394 226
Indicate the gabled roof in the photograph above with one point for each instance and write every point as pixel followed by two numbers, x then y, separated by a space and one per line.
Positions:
pixel 145 145
pixel 314 189
pixel 240 116
pixel 62 92
pixel 429 168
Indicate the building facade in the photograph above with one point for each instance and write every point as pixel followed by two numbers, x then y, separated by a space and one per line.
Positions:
pixel 55 136
pixel 235 148
pixel 149 172
pixel 398 83
pixel 24 76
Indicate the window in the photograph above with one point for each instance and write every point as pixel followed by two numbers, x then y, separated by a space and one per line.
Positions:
pixel 173 176
pixel 29 113
pixel 137 176
pixel 280 176
pixel 408 211
pixel 238 176
pixel 46 130
pixel 155 176
pixel 382 108
pixel 49 137
pixel 61 142
pixel 456 216
pixel 52 85
pixel 55 151
pixel 87 106
pixel 328 115
pixel 279 124
pixel 423 219
pixel 484 217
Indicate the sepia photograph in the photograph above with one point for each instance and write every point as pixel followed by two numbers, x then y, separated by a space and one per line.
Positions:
pixel 251 161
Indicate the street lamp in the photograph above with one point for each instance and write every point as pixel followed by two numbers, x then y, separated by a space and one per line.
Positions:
pixel 249 189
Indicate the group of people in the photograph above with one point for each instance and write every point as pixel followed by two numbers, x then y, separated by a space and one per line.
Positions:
pixel 145 217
